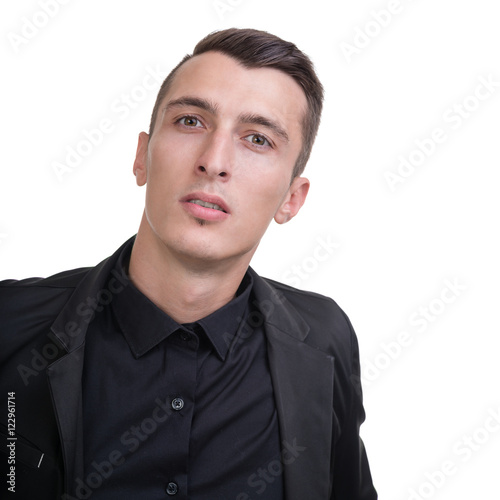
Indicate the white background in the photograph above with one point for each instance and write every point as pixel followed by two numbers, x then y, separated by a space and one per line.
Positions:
pixel 394 249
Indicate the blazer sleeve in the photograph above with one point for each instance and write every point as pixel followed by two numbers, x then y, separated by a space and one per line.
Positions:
pixel 351 475
pixel 26 312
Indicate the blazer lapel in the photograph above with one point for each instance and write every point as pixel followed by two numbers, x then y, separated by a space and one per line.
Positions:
pixel 65 374
pixel 65 380
pixel 302 379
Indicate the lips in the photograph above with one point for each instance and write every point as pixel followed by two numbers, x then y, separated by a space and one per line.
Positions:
pixel 206 200
pixel 205 206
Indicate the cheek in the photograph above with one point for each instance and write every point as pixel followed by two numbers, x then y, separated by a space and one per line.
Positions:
pixel 168 146
pixel 161 187
pixel 165 166
pixel 265 197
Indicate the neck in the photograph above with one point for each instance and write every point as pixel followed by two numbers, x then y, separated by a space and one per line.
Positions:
pixel 185 290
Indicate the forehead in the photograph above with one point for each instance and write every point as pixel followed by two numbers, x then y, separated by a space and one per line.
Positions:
pixel 235 88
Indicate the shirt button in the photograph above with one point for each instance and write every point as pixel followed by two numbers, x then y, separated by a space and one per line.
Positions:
pixel 185 336
pixel 172 488
pixel 177 404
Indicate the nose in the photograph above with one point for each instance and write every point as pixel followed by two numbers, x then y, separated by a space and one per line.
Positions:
pixel 217 156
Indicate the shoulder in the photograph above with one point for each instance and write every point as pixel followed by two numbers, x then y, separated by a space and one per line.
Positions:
pixel 32 290
pixel 64 279
pixel 329 326
pixel 306 301
pixel 313 306
pixel 31 304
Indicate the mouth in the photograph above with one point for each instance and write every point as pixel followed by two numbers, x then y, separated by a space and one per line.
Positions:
pixel 205 206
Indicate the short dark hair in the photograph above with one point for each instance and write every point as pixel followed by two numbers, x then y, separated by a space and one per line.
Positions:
pixel 259 49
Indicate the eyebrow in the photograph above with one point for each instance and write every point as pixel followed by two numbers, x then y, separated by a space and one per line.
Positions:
pixel 265 122
pixel 213 109
pixel 197 102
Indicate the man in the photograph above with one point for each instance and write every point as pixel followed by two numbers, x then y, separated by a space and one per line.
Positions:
pixel 172 368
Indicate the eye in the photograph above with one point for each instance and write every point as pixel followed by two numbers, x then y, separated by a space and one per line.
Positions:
pixel 190 121
pixel 257 139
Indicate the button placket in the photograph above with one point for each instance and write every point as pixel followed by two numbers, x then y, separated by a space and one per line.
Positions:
pixel 182 358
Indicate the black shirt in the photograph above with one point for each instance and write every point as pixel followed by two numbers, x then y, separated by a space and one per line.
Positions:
pixel 182 411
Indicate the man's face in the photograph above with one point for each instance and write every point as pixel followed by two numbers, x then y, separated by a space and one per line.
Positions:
pixel 219 163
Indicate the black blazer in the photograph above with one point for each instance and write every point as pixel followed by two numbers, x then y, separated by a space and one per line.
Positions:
pixel 313 357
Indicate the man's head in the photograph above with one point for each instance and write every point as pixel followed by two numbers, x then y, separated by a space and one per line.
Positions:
pixel 225 148
pixel 259 49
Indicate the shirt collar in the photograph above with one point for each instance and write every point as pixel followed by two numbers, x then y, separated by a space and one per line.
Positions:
pixel 222 325
pixel 145 325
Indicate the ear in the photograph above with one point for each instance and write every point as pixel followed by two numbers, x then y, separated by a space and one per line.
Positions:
pixel 294 199
pixel 141 157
